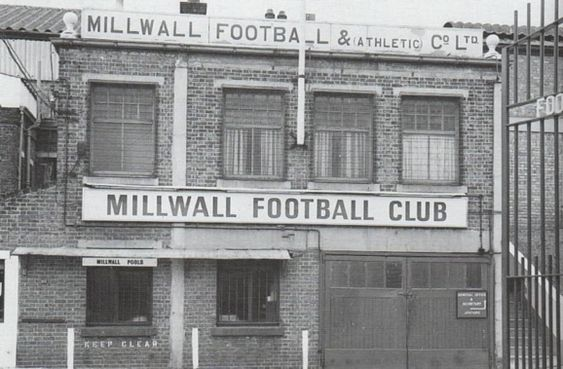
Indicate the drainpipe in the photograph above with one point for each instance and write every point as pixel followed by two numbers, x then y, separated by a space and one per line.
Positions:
pixel 21 154
pixel 33 126
pixel 301 79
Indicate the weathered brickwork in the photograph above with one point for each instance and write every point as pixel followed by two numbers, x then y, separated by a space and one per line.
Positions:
pixel 299 303
pixel 53 298
pixel 53 289
pixel 9 142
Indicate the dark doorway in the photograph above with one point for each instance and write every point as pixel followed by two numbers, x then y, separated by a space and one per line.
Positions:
pixel 393 312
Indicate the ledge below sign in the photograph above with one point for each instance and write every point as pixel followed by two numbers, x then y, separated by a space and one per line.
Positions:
pixel 274 207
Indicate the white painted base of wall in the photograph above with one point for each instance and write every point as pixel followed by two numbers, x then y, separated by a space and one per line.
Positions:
pixel 9 327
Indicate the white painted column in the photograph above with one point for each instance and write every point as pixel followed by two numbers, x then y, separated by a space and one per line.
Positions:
pixel 179 124
pixel 497 218
pixel 70 348
pixel 195 348
pixel 9 328
pixel 305 348
pixel 178 159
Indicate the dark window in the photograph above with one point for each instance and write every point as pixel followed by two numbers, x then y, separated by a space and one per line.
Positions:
pixel 447 275
pixel 343 137
pixel 2 290
pixel 394 274
pixel 253 134
pixel 123 129
pixel 430 140
pixel 248 292
pixel 119 296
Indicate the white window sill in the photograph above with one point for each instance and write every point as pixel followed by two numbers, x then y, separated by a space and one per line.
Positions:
pixel 243 183
pixel 343 186
pixel 422 188
pixel 143 181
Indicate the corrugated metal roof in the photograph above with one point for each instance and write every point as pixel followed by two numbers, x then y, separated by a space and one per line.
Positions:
pixel 504 31
pixel 32 19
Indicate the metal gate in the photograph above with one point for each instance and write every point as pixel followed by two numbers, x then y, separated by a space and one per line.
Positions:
pixel 397 312
pixel 531 105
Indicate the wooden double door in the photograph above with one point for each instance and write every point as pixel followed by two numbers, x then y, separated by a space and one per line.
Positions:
pixel 390 312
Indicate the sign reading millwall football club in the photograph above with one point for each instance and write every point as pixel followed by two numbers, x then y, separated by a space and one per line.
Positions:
pixel 282 34
pixel 270 207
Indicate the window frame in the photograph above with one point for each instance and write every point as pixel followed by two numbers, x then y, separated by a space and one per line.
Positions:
pixel 226 267
pixel 91 120
pixel 115 292
pixel 430 133
pixel 282 130
pixel 370 143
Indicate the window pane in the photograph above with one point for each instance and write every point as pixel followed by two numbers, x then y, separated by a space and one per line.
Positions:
pixel 342 136
pixel 119 295
pixel 415 157
pixel 457 275
pixel 253 139
pixel 101 295
pixel 394 274
pixel 443 158
pixel 419 275
pixel 123 128
pixel 134 296
pixel 339 273
pixel 375 274
pixel 439 275
pixel 473 275
pixel 248 292
pixel 357 274
pixel 430 155
pixel 137 154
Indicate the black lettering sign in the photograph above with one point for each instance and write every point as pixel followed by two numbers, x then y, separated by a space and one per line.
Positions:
pixel 440 211
pixel 322 209
pixel 179 204
pixel 394 206
pixel 118 207
pixel 93 25
pixel 274 208
pixel 146 26
pixel 129 30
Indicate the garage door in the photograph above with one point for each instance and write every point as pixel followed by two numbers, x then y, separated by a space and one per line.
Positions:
pixel 393 312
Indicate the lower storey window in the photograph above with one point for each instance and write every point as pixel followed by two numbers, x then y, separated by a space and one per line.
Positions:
pixel 248 292
pixel 119 296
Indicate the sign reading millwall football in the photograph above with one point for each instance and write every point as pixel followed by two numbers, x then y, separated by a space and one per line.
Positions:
pixel 281 34
pixel 270 207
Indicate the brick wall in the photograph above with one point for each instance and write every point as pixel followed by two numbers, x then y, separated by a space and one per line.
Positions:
pixel 51 217
pixel 9 148
pixel 53 298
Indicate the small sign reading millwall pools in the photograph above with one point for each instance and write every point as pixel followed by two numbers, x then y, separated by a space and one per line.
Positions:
pixel 271 207
pixel 120 262
pixel 282 34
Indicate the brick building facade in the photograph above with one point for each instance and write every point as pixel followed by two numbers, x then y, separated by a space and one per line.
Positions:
pixel 157 121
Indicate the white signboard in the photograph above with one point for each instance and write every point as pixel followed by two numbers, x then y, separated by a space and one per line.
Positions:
pixel 120 262
pixel 260 33
pixel 299 207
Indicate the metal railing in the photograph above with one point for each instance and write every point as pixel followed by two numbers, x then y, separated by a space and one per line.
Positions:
pixel 531 198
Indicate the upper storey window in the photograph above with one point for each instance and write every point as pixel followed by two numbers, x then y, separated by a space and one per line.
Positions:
pixel 253 134
pixel 123 129
pixel 343 126
pixel 430 140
